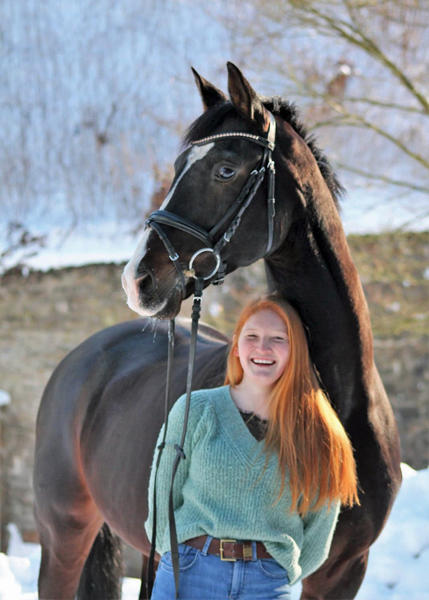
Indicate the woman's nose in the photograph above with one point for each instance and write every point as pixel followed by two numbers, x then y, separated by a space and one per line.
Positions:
pixel 264 344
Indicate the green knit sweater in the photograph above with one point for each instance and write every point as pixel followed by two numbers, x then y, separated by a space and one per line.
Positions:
pixel 219 489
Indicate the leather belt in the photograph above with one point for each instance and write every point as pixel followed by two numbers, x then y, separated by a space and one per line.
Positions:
pixel 229 549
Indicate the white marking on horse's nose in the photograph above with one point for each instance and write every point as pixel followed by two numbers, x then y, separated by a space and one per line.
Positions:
pixel 130 275
pixel 197 153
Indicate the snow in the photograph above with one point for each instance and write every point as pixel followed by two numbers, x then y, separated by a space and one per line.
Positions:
pixel 4 398
pixel 397 570
pixel 99 245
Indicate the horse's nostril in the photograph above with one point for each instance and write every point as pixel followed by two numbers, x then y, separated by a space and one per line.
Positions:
pixel 145 281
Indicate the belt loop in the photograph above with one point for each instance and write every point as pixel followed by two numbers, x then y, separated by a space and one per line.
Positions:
pixel 206 545
pixel 254 551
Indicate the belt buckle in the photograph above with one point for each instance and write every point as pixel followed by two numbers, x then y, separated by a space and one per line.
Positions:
pixel 221 550
pixel 247 551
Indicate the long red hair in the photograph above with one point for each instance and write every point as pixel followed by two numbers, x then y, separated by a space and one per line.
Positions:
pixel 303 428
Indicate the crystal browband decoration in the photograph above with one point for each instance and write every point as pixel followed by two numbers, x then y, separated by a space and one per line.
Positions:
pixel 218 136
pixel 221 135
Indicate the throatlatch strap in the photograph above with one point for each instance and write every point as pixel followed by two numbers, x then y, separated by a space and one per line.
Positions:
pixel 196 310
pixel 271 202
pixel 150 574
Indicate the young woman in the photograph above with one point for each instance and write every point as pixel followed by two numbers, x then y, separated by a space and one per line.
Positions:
pixel 267 466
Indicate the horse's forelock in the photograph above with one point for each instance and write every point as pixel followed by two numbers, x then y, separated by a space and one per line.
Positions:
pixel 213 118
pixel 208 122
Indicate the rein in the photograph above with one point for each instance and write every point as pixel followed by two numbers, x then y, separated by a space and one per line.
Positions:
pixel 230 221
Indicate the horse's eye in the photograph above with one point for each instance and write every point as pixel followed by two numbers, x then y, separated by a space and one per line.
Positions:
pixel 225 173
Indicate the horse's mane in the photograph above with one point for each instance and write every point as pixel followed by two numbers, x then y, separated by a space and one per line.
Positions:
pixel 210 120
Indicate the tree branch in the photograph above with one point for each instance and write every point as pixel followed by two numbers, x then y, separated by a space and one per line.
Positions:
pixel 352 33
pixel 385 104
pixel 418 217
pixel 383 178
pixel 352 119
pixel 361 121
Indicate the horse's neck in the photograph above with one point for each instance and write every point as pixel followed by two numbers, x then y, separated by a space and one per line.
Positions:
pixel 314 271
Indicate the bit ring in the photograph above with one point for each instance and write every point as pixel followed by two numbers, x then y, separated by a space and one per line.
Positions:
pixel 197 253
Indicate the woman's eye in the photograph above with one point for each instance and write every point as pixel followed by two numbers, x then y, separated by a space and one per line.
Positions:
pixel 225 173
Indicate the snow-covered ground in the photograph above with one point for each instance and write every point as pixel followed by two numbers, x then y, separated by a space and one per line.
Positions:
pixel 106 242
pixel 398 564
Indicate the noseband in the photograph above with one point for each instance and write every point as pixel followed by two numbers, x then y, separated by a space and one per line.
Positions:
pixel 231 220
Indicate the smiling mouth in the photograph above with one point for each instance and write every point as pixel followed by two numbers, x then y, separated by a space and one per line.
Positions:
pixel 262 361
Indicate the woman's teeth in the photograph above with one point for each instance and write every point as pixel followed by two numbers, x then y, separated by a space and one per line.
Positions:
pixel 262 361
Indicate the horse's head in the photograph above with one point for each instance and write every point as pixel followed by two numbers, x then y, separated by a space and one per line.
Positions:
pixel 221 201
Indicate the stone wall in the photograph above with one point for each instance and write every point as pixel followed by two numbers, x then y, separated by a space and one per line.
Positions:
pixel 404 369
pixel 46 315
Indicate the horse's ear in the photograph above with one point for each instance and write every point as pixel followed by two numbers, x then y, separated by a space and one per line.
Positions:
pixel 245 99
pixel 209 93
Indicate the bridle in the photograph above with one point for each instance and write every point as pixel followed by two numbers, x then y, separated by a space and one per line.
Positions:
pixel 231 220
pixel 229 223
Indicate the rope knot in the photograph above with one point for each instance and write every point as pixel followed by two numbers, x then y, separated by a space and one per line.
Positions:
pixel 180 451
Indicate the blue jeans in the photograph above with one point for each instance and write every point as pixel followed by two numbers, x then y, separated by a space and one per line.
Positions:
pixel 206 577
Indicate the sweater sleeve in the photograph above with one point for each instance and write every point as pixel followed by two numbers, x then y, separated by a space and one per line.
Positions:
pixel 163 480
pixel 319 530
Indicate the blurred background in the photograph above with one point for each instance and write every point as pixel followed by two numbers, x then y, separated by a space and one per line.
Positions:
pixel 94 100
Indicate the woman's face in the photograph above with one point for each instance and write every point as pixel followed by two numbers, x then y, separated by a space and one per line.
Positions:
pixel 263 348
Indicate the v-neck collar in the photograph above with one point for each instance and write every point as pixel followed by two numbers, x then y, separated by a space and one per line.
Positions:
pixel 233 424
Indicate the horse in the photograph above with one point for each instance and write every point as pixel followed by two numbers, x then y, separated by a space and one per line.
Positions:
pixel 103 407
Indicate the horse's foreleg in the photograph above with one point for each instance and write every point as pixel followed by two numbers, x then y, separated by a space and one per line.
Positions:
pixel 66 542
pixel 143 584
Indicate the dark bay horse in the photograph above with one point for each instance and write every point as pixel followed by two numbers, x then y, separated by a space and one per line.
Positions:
pixel 103 407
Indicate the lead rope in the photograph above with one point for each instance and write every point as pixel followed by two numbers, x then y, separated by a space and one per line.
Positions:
pixel 196 312
pixel 146 591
